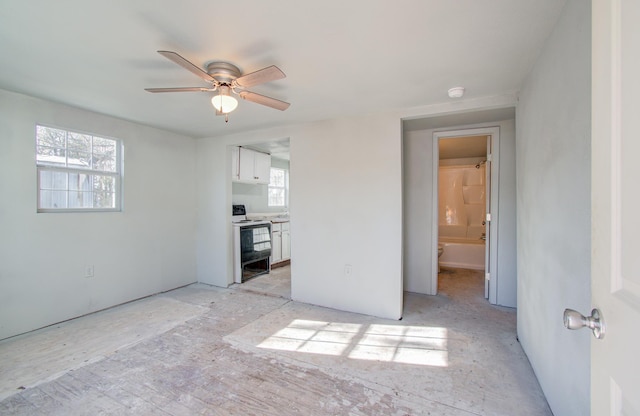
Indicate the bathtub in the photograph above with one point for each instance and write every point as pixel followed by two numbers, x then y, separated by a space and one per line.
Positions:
pixel 463 253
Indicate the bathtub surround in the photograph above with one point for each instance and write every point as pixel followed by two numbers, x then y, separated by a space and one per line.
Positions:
pixel 461 201
pixel 461 213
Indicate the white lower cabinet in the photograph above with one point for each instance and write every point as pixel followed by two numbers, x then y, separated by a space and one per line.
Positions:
pixel 276 243
pixel 286 241
pixel 280 242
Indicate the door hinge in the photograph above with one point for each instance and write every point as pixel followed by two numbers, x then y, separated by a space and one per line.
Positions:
pixel 488 218
pixel 489 157
pixel 487 276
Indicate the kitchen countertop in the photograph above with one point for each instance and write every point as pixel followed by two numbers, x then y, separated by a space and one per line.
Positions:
pixel 274 218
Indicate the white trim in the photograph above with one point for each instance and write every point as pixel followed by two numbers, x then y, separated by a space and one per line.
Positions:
pixel 434 216
pixel 617 279
pixel 284 187
pixel 494 132
pixel 460 106
pixel 117 174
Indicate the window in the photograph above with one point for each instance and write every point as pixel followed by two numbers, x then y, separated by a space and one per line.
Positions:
pixel 77 171
pixel 278 187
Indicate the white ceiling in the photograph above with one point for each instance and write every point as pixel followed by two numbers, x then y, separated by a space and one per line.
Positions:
pixel 341 57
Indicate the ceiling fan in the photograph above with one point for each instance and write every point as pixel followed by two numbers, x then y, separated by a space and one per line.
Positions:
pixel 226 78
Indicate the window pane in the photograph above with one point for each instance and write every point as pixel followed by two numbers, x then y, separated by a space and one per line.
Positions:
pixel 51 156
pixel 276 197
pixel 78 159
pixel 80 142
pixel 104 154
pixel 278 185
pixel 277 177
pixel 53 199
pixel 51 137
pixel 79 182
pixel 50 146
pixel 53 180
pixel 104 200
pixel 79 199
pixel 104 183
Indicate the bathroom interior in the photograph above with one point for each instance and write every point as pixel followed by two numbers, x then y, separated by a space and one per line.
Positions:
pixel 463 192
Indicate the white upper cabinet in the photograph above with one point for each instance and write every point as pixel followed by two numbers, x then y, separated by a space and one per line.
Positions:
pixel 235 163
pixel 262 167
pixel 250 166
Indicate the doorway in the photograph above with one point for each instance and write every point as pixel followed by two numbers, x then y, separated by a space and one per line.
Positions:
pixel 270 202
pixel 465 203
pixel 420 215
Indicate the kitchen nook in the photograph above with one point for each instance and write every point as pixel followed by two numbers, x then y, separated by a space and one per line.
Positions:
pixel 260 218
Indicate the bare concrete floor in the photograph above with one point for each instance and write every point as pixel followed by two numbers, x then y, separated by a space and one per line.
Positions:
pixel 276 283
pixel 203 350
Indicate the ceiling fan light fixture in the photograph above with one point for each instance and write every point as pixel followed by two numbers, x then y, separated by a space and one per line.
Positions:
pixel 223 102
pixel 226 78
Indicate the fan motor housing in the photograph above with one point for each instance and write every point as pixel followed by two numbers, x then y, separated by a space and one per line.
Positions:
pixel 223 71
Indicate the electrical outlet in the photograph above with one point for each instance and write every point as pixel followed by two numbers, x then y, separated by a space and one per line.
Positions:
pixel 88 271
pixel 348 270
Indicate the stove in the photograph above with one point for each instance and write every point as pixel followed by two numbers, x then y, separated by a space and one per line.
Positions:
pixel 239 217
pixel 251 246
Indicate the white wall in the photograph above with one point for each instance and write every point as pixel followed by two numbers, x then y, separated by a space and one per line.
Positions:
pixel 345 208
pixel 553 178
pixel 418 209
pixel 147 248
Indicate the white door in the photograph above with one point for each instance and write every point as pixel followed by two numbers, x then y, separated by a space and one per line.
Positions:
pixel 615 361
pixel 487 225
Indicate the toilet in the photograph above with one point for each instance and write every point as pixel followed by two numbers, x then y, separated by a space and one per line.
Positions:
pixel 440 251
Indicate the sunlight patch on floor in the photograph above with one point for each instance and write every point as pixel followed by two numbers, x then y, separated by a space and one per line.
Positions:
pixel 389 343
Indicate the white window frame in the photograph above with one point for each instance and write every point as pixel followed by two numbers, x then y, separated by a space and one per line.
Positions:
pixel 117 174
pixel 285 187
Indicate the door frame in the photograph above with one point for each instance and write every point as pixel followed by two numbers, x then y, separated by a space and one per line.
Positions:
pixel 494 133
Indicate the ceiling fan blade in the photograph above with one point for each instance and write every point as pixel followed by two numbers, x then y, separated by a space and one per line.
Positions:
pixel 270 73
pixel 186 65
pixel 264 100
pixel 180 89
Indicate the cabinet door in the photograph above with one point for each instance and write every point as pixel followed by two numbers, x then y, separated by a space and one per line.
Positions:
pixel 286 245
pixel 262 167
pixel 247 161
pixel 276 247
pixel 235 166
